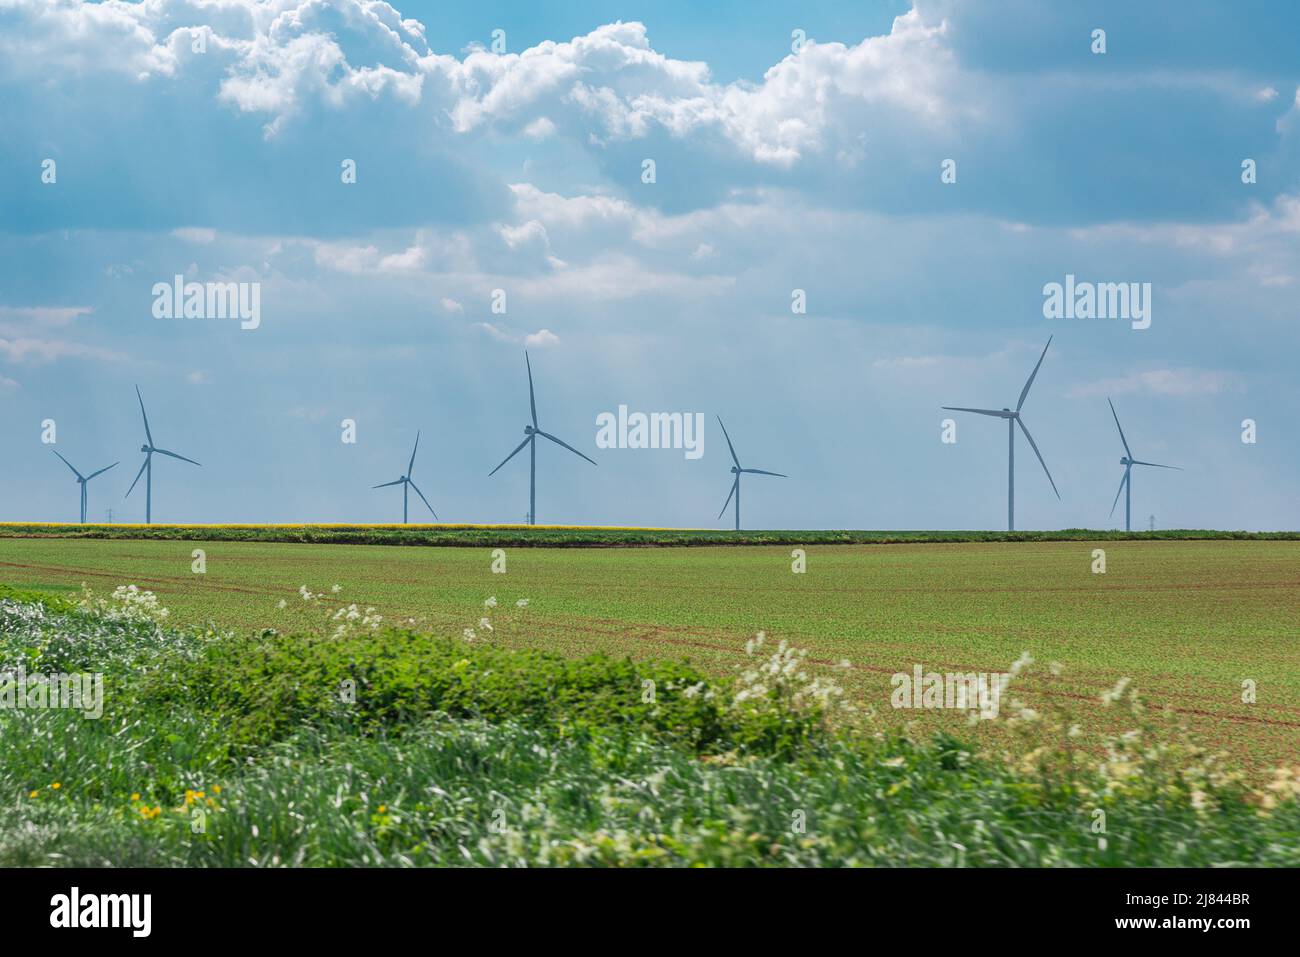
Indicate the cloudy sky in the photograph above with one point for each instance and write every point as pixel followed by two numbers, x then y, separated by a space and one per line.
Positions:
pixel 208 138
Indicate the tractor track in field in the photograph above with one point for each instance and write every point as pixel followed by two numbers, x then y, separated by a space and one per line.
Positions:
pixel 657 634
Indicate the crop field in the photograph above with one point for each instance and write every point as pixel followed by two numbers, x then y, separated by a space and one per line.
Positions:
pixel 1190 622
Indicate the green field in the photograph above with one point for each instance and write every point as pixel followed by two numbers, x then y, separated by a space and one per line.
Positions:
pixel 1188 621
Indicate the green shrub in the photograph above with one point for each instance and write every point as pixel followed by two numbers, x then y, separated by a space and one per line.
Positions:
pixel 265 686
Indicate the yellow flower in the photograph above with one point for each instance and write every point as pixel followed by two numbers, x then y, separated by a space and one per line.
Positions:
pixel 383 808
pixel 56 785
pixel 135 796
pixel 216 789
pixel 34 794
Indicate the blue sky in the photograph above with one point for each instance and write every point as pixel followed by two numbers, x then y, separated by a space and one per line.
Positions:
pixel 775 170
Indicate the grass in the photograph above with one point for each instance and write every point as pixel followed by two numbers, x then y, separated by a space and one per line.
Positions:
pixel 228 750
pixel 572 536
pixel 1188 621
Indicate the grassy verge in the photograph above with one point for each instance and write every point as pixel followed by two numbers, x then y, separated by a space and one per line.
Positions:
pixel 372 746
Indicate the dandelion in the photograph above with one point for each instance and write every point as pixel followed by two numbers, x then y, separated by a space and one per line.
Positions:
pixel 383 808
pixel 34 794
pixel 56 785
pixel 135 795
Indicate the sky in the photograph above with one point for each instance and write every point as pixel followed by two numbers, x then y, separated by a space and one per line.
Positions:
pixel 500 204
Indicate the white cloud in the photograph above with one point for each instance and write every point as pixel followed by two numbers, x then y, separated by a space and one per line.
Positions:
pixel 45 315
pixel 540 338
pixel 195 234
pixel 198 377
pixel 1168 382
pixel 27 348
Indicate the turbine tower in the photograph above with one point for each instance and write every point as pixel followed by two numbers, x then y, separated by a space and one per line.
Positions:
pixel 82 480
pixel 408 483
pixel 147 468
pixel 531 432
pixel 737 471
pixel 1014 419
pixel 1126 483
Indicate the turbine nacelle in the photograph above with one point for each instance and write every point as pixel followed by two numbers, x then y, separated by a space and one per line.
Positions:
pixel 145 449
pixel 529 430
pixel 1125 460
pixel 735 470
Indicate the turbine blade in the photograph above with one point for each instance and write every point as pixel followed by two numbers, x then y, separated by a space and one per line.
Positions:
pixel 729 445
pixel 424 500
pixel 1119 492
pixel 1030 381
pixel 1127 451
pixel 1034 445
pixel 510 456
pixel 143 465
pixel 734 485
pixel 411 466
pixel 997 413
pixel 69 465
pixel 1158 465
pixel 565 444
pixel 386 484
pixel 143 415
pixel 100 472
pixel 175 456
pixel 532 400
pixel 761 472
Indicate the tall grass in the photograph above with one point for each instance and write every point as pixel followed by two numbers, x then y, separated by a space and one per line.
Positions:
pixel 236 751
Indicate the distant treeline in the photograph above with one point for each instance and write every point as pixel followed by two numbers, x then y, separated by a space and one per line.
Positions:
pixel 563 536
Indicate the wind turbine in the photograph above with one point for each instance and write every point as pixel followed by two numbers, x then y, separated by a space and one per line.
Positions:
pixel 737 471
pixel 1013 418
pixel 531 432
pixel 408 483
pixel 1126 483
pixel 82 480
pixel 147 468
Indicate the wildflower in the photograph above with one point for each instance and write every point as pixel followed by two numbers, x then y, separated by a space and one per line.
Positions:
pixel 1116 693
pixel 491 602
pixel 282 604
pixel 135 795
pixel 484 623
pixel 34 794
pixel 383 808
pixel 522 603
pixel 469 634
pixel 56 785
pixel 335 589
pixel 1021 663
